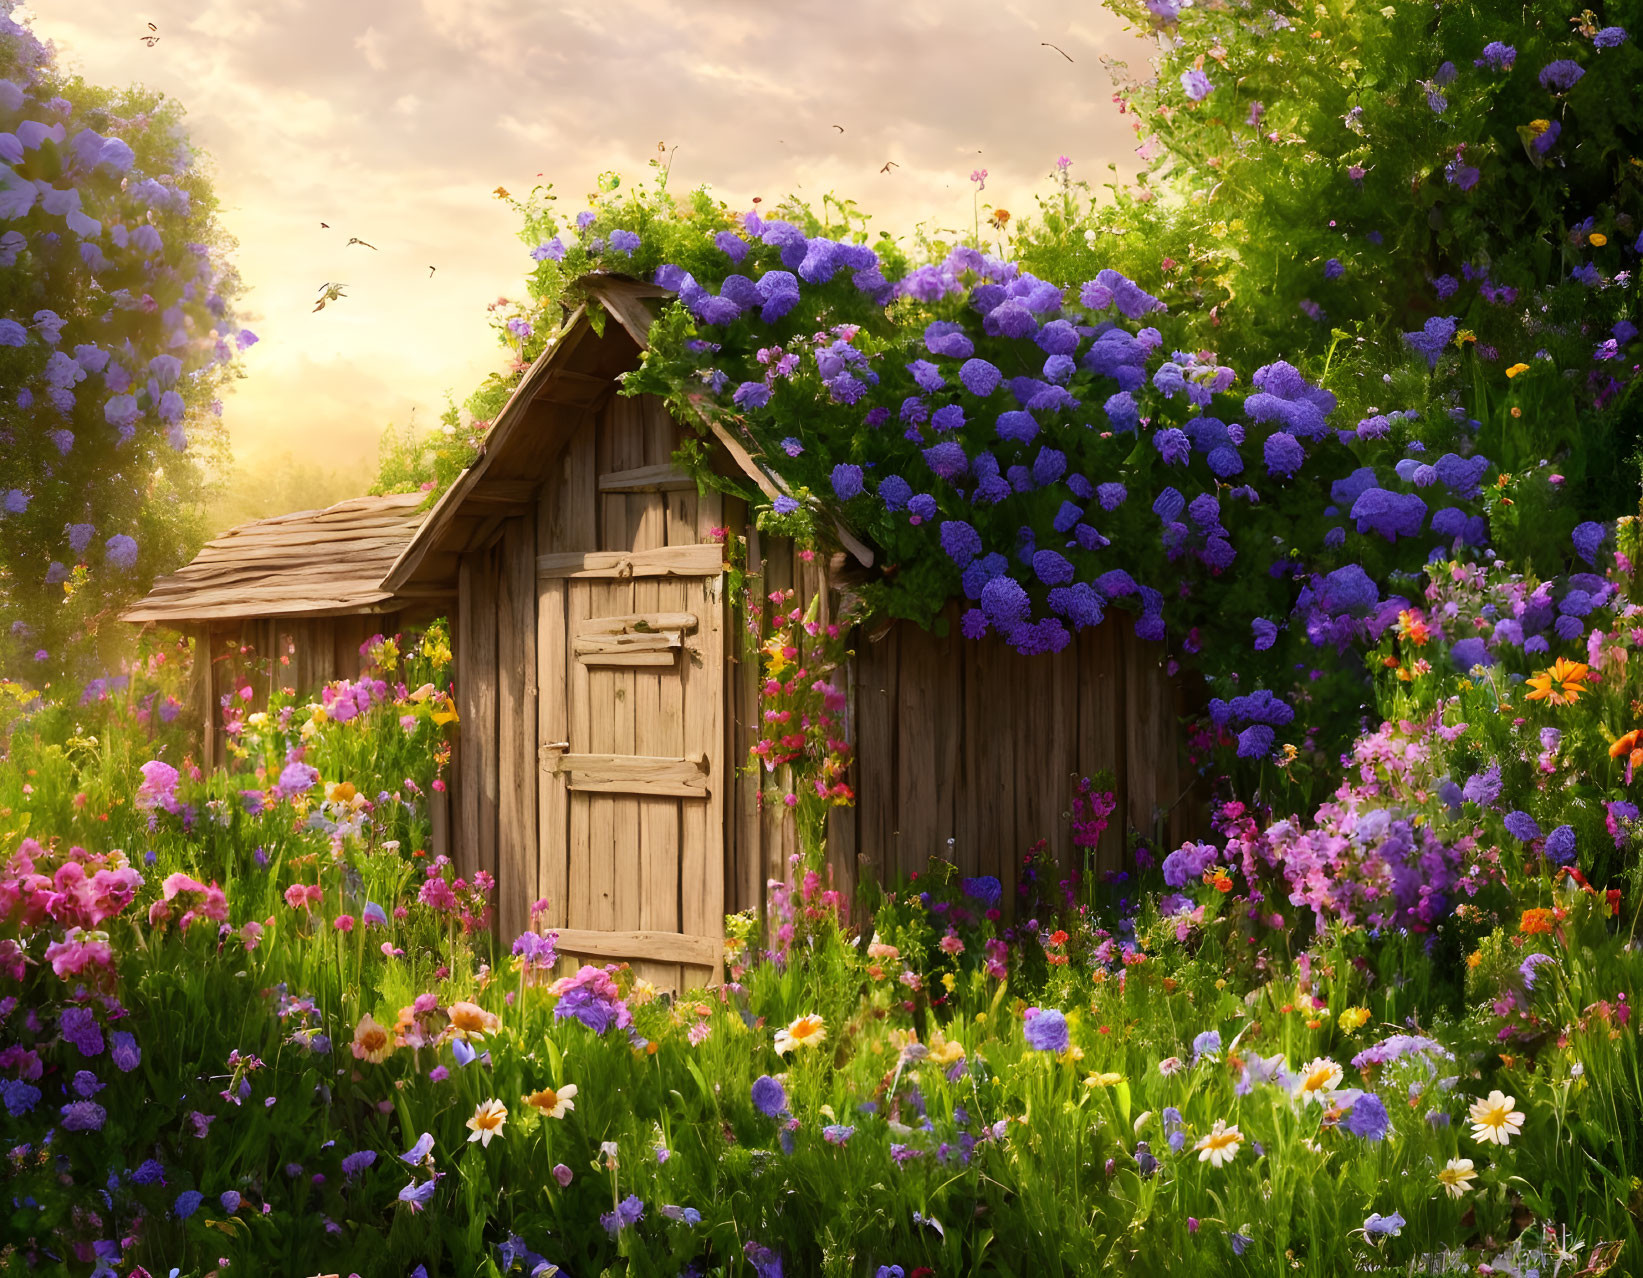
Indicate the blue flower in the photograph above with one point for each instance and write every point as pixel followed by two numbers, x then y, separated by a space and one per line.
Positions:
pixel 623 241
pixel 784 505
pixel 980 378
pixel 1609 37
pixel 1560 845
pixel 1561 76
pixel 1378 1226
pixel 1368 1118
pixel 1046 1030
pixel 551 251
pixel 188 1202
pixel 1266 633
pixel 847 481
pixel 769 1096
pixel 630 1211
pixel 1521 826
pixel 1195 84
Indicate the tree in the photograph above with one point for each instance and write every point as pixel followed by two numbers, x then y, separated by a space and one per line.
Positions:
pixel 116 332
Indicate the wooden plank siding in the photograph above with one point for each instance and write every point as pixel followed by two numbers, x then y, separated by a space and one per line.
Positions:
pixel 970 752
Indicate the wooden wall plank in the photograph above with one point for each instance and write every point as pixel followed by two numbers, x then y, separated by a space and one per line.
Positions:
pixel 470 604
pixel 483 739
pixel 877 782
pixel 553 725
pixel 517 718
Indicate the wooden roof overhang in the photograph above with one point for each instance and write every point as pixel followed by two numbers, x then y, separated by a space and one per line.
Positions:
pixel 313 563
pixel 566 384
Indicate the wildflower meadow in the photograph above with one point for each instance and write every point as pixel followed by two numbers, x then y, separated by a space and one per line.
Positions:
pixel 1336 405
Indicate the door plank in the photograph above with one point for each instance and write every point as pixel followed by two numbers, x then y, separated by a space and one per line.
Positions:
pixel 704 560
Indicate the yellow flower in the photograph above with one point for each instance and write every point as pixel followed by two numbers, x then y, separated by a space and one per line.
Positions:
pixel 1220 1147
pixel 948 980
pixel 1354 1018
pixel 1515 369
pixel 807 1031
pixel 446 713
pixel 553 1104
pixel 1562 684
pixel 1597 239
pixel 372 1043
pixel 1457 1176
pixel 1318 1081
pixel 775 652
pixel 1496 1119
pixel 943 1050
pixel 487 1121
pixel 1103 1080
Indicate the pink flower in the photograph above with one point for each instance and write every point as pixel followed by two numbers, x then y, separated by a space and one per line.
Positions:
pixel 304 896
pixel 344 923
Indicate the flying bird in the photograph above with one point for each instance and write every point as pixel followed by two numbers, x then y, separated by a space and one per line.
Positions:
pixel 150 40
pixel 331 293
pixel 839 127
pixel 325 226
pixel 1045 44
pixel 888 165
pixel 430 272
pixel 356 240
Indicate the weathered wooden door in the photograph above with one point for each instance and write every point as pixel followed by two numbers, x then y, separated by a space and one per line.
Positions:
pixel 632 766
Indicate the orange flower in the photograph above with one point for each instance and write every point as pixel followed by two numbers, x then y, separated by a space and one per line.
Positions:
pixel 1537 920
pixel 1001 217
pixel 470 1018
pixel 1058 938
pixel 1626 744
pixel 1218 878
pixel 1413 628
pixel 1561 684
pixel 372 1043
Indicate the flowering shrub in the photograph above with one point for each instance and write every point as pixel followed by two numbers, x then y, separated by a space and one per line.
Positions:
pixel 115 335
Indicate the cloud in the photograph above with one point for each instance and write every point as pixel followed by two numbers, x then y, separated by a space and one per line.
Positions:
pixel 394 121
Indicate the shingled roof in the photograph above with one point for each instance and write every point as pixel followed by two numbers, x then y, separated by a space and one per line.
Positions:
pixel 314 563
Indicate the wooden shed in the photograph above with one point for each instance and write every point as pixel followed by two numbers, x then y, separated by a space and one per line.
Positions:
pixel 287 601
pixel 607 710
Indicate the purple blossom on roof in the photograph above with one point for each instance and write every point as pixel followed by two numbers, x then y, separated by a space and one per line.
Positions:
pixel 1079 603
pixel 980 378
pixel 847 481
pixel 1010 318
pixel 1610 38
pixel 751 395
pixel 549 251
pixel 1123 412
pixel 961 542
pixel 1497 56
pixel 1016 426
pixel 1168 505
pixel 1052 568
pixel 1005 603
pixel 784 505
pixel 895 492
pixel 1561 75
pixel 1173 446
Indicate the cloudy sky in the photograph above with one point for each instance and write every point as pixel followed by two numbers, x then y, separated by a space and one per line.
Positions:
pixel 394 120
